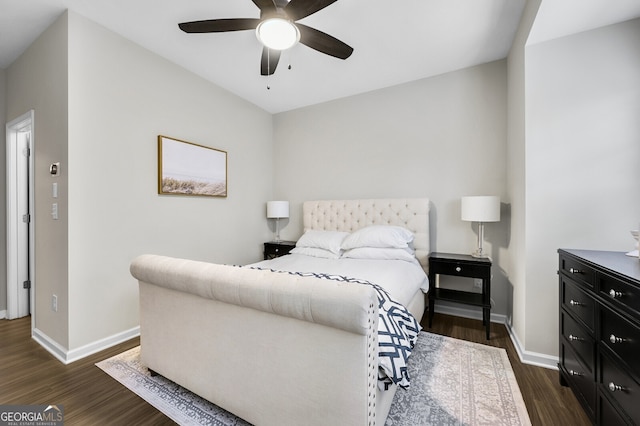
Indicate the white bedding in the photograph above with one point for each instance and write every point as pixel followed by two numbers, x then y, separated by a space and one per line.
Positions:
pixel 401 279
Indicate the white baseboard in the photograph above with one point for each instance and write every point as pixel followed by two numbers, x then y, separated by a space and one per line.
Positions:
pixel 532 358
pixel 468 313
pixel 50 345
pixel 526 357
pixel 3 314
pixel 66 357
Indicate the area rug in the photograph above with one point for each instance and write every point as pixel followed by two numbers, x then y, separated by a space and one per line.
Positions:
pixel 453 382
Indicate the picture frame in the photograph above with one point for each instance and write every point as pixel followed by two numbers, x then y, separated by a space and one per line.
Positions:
pixel 186 168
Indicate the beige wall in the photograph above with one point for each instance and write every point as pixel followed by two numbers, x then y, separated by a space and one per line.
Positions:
pixel 121 97
pixel 102 127
pixel 582 157
pixel 516 170
pixel 3 197
pixel 441 137
pixel 38 80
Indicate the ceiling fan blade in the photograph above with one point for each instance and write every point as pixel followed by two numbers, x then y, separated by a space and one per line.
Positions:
pixel 323 42
pixel 269 62
pixel 298 9
pixel 265 5
pixel 219 25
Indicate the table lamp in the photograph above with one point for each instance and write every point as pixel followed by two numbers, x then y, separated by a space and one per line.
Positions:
pixel 481 209
pixel 277 210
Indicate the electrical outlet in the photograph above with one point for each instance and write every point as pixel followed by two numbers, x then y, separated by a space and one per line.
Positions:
pixel 54 303
pixel 477 283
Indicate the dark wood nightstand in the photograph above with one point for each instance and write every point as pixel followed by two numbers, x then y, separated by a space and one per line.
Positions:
pixel 274 249
pixel 461 265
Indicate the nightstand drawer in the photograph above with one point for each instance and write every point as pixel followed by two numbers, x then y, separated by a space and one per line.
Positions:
pixel 274 249
pixel 457 268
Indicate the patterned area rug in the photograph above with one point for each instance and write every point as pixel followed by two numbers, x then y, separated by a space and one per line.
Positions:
pixel 453 382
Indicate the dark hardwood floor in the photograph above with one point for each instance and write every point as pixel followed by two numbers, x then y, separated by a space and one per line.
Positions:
pixel 30 375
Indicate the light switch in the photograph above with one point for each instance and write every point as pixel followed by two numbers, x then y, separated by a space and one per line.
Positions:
pixel 54 211
pixel 54 190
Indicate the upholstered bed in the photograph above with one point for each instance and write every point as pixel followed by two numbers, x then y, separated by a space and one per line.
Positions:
pixel 279 348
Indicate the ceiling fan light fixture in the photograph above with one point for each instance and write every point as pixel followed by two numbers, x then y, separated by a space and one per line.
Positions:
pixel 278 33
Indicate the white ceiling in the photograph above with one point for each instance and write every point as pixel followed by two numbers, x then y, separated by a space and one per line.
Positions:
pixel 394 41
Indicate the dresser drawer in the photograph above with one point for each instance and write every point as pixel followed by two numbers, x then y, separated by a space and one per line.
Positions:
pixel 620 387
pixel 578 303
pixel 581 379
pixel 622 337
pixel 582 343
pixel 600 298
pixel 608 415
pixel 623 295
pixel 577 271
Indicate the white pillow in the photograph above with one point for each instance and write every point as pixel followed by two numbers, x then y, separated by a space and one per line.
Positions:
pixel 327 240
pixel 315 252
pixel 381 236
pixel 380 254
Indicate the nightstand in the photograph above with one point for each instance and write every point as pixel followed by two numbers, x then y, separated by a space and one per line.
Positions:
pixel 274 249
pixel 461 265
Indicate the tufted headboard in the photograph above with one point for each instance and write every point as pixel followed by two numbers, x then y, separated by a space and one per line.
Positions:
pixel 350 215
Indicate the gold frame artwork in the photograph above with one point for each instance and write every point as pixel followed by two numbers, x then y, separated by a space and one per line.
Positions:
pixel 186 168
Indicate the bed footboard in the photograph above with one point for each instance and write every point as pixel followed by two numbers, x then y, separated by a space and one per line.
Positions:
pixel 271 348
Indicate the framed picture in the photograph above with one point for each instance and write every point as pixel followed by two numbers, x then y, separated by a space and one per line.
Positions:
pixel 186 168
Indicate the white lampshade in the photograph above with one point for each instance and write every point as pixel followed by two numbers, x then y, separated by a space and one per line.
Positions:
pixel 277 33
pixel 485 208
pixel 277 209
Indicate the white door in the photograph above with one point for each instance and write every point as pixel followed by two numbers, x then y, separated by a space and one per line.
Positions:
pixel 19 141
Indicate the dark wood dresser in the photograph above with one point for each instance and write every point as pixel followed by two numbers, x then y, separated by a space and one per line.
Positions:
pixel 600 333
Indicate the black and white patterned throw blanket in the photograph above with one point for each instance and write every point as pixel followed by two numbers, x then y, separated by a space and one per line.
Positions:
pixel 397 331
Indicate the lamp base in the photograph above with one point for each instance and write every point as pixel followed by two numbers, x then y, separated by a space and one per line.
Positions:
pixel 277 235
pixel 480 254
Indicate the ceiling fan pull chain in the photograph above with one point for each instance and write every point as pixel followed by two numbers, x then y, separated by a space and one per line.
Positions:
pixel 268 66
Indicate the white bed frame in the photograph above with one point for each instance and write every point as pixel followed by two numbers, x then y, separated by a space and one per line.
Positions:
pixel 275 349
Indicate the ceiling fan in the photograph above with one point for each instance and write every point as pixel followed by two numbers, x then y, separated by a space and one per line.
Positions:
pixel 278 30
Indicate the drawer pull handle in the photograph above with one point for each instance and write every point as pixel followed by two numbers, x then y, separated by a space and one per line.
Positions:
pixel 576 373
pixel 615 294
pixel 458 269
pixel 575 303
pixel 613 387
pixel 615 339
pixel 575 271
pixel 574 338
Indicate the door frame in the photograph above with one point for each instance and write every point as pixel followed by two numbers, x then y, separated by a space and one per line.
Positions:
pixel 13 127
